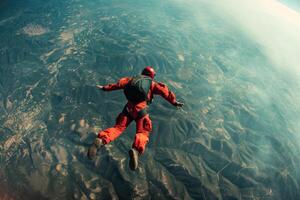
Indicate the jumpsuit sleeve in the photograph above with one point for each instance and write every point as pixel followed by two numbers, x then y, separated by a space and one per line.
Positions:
pixel 117 86
pixel 163 90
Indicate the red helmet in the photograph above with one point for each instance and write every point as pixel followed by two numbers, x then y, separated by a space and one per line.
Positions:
pixel 149 71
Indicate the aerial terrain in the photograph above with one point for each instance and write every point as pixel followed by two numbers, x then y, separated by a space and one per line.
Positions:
pixel 235 65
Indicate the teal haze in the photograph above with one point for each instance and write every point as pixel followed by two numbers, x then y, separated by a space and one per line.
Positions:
pixel 235 65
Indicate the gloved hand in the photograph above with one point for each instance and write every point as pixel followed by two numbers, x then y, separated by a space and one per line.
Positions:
pixel 100 87
pixel 178 104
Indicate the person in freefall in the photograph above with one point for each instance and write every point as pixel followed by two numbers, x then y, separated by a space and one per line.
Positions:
pixel 139 91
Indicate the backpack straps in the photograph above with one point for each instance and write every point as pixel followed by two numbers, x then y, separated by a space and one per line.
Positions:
pixel 140 114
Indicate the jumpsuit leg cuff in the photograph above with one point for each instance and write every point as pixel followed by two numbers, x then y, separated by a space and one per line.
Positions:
pixel 103 138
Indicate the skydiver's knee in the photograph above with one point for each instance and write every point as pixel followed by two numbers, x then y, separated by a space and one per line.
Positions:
pixel 147 124
pixel 120 127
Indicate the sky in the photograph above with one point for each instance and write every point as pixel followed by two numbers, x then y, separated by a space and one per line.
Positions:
pixel 274 25
pixel 295 4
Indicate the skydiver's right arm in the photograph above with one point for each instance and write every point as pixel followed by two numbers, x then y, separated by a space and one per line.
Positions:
pixel 115 86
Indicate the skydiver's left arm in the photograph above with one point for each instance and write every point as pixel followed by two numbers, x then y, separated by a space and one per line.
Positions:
pixel 162 90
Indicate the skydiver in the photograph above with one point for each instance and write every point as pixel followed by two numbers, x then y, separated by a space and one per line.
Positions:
pixel 139 91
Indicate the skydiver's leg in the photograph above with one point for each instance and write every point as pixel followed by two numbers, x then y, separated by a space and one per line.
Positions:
pixel 112 133
pixel 143 129
pixel 109 134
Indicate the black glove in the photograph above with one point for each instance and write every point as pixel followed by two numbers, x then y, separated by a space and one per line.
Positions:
pixel 178 104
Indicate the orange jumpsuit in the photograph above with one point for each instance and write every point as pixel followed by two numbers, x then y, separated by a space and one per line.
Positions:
pixel 143 124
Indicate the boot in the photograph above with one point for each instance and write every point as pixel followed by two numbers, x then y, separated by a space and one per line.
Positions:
pixel 133 159
pixel 94 148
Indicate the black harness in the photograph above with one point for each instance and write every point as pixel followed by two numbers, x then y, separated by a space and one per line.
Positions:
pixel 140 114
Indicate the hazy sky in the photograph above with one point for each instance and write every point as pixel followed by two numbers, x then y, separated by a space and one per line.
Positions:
pixel 272 24
pixel 295 4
